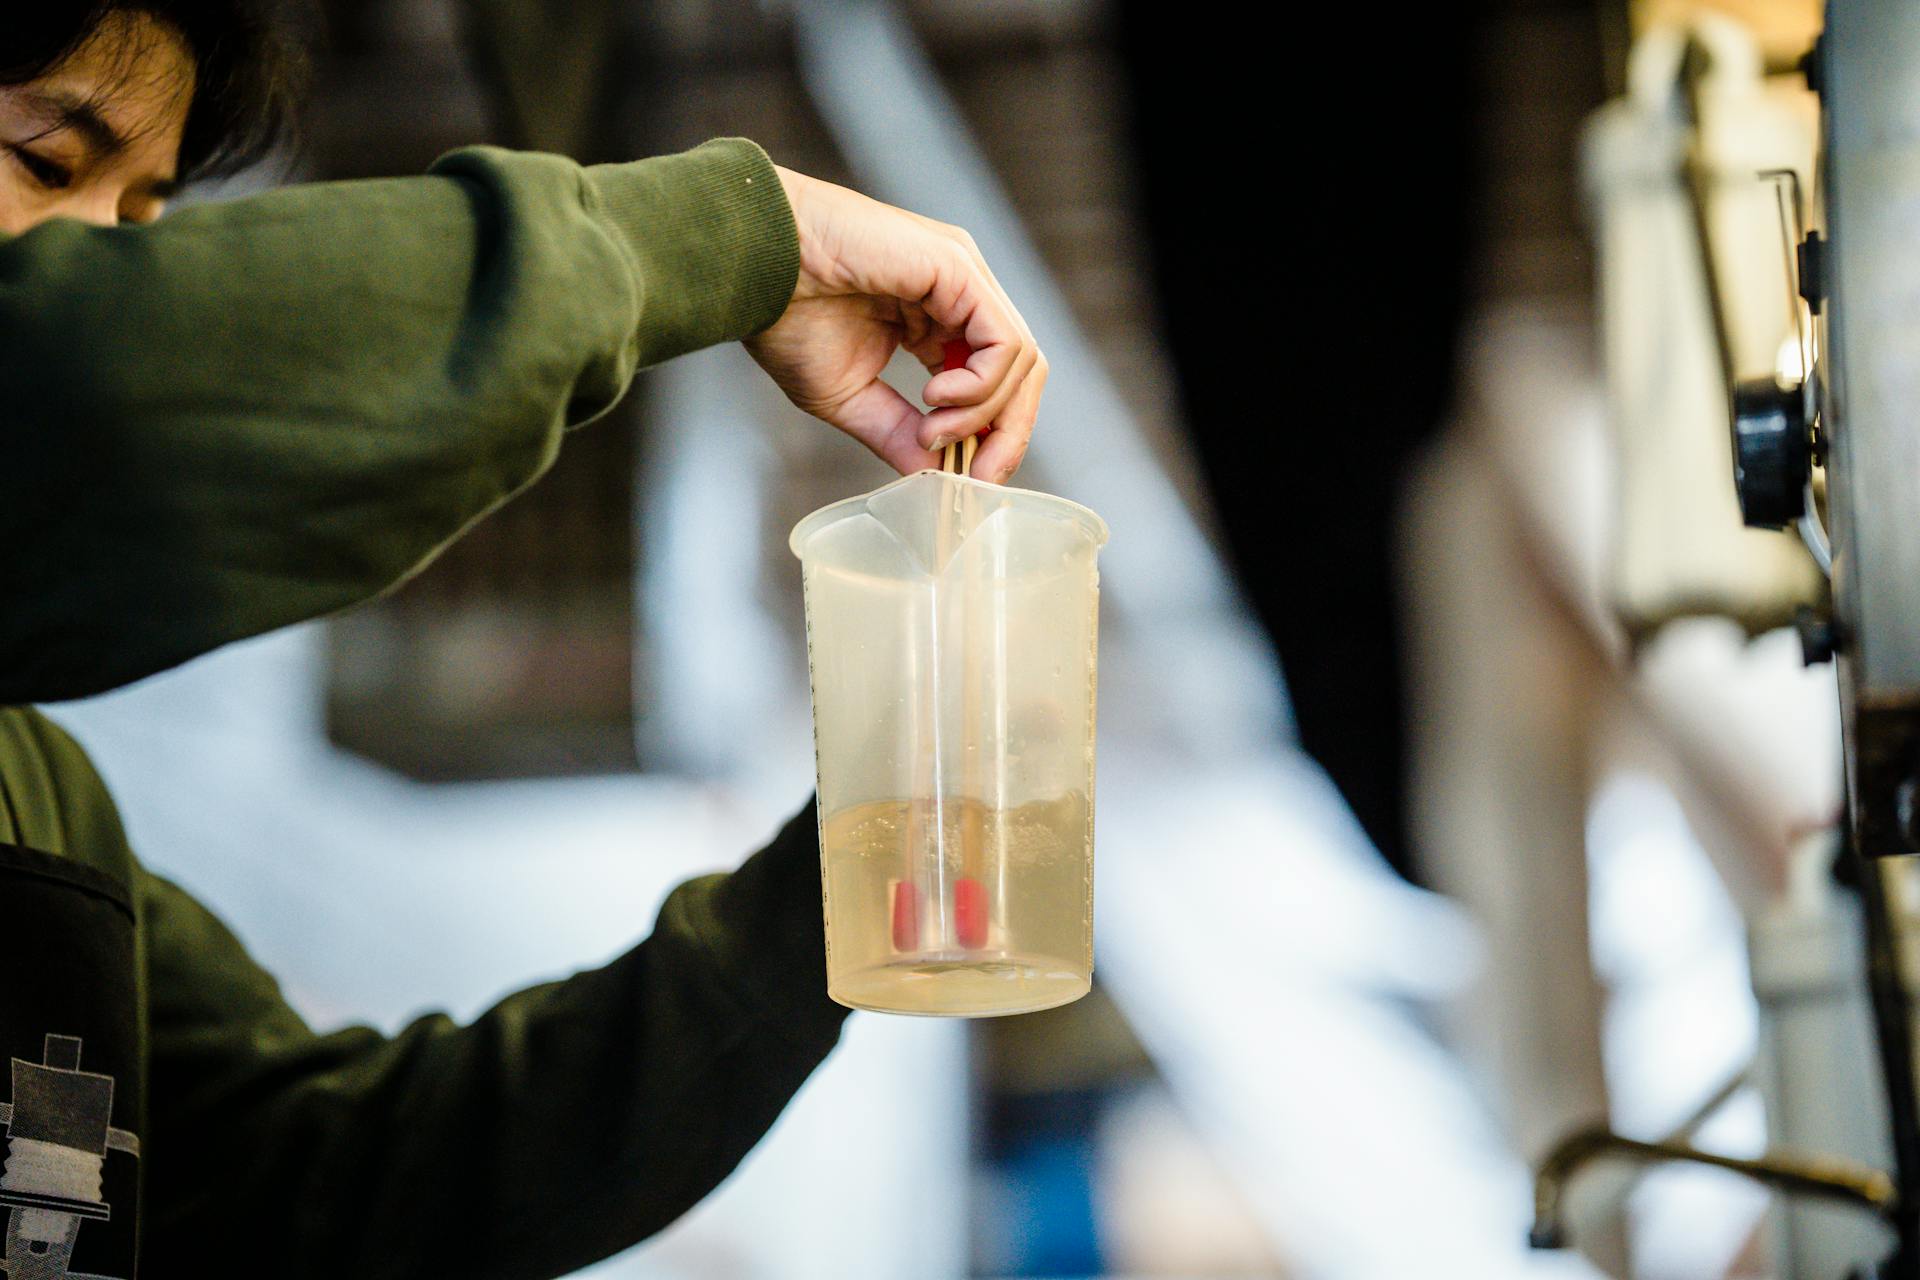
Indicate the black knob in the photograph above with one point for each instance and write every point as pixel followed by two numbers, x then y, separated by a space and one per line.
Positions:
pixel 1818 636
pixel 1810 67
pixel 1772 455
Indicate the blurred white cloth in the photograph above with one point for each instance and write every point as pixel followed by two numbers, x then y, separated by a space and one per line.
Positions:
pixel 1274 967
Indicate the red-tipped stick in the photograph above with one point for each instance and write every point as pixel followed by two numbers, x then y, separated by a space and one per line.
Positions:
pixel 970 912
pixel 969 894
pixel 906 915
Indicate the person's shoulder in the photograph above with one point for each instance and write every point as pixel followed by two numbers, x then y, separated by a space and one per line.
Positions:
pixel 56 798
pixel 35 731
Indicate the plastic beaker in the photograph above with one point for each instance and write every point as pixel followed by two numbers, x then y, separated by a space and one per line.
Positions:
pixel 951 632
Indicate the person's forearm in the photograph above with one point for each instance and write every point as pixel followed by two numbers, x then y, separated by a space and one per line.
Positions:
pixel 562 1126
pixel 254 413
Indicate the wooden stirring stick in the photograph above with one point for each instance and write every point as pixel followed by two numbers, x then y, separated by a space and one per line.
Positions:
pixel 969 888
pixel 969 893
pixel 957 457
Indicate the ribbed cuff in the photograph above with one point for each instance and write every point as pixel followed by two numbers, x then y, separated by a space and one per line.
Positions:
pixel 767 931
pixel 712 238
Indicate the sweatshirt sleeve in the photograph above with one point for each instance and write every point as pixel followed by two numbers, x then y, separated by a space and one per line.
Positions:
pixel 564 1125
pixel 253 413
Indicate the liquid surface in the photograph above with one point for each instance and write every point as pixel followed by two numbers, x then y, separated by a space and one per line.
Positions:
pixel 959 909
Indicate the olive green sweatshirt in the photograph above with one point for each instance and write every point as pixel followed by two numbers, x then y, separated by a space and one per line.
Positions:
pixel 255 413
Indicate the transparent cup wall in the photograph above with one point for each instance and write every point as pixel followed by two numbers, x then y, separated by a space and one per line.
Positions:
pixel 951 632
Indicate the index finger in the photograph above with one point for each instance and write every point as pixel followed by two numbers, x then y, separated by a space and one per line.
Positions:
pixel 1005 446
pixel 965 400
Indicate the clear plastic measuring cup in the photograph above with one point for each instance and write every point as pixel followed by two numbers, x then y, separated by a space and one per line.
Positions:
pixel 951 629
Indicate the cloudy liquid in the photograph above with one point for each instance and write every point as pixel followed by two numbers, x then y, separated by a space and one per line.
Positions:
pixel 961 909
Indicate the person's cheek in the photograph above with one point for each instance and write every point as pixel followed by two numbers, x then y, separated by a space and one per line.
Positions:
pixel 23 206
pixel 14 215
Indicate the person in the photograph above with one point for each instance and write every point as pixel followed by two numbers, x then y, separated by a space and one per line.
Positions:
pixel 255 412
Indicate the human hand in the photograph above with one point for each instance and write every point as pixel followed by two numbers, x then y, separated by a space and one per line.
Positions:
pixel 873 278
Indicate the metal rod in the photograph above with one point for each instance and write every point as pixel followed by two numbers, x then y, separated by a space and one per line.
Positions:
pixel 1824 1177
pixel 1690 1125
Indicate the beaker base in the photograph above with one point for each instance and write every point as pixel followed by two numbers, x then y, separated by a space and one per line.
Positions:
pixel 947 988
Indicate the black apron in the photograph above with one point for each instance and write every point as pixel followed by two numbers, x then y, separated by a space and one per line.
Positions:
pixel 69 1112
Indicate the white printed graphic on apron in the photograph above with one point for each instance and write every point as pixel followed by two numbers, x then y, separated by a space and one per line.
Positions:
pixel 59 1132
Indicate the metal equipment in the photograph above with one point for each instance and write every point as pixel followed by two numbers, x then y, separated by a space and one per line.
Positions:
pixel 1853 413
pixel 59 1133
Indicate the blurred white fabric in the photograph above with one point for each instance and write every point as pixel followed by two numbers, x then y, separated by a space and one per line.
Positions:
pixel 1274 967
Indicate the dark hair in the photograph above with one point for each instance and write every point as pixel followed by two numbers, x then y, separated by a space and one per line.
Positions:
pixel 250 67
